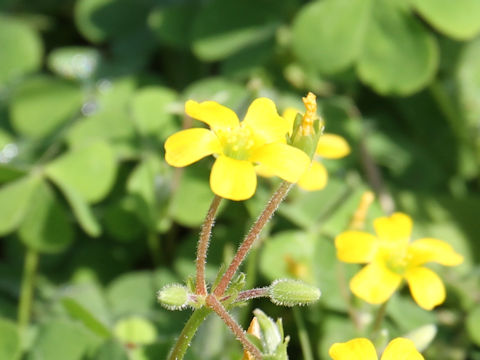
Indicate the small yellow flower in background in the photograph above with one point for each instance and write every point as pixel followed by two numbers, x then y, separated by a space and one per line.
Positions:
pixel 391 258
pixel 363 349
pixel 259 139
pixel 329 146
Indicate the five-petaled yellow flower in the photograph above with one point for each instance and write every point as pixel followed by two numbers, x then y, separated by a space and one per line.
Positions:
pixel 391 258
pixel 329 146
pixel 363 349
pixel 238 146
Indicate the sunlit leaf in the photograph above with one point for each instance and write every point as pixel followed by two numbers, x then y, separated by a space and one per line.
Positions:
pixel 21 49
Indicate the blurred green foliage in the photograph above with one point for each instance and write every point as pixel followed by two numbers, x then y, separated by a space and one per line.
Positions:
pixel 90 90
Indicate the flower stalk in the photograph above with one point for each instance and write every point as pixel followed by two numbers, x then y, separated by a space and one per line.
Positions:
pixel 203 242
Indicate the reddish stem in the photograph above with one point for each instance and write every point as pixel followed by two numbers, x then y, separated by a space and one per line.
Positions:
pixel 216 306
pixel 247 243
pixel 203 242
pixel 249 294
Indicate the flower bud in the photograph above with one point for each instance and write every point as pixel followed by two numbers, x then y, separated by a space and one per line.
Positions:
pixel 308 128
pixel 173 296
pixel 293 292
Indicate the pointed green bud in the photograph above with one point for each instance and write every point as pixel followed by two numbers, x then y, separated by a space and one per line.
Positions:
pixel 174 296
pixel 292 292
pixel 308 128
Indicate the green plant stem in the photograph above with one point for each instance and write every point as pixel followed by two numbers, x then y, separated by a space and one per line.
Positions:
pixel 203 242
pixel 27 288
pixel 253 234
pixel 303 335
pixel 186 336
pixel 154 246
pixel 377 324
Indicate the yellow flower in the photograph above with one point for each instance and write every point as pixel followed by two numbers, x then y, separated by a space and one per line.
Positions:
pixel 363 349
pixel 391 258
pixel 329 146
pixel 259 139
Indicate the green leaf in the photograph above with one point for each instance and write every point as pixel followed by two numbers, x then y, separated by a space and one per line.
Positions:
pixel 407 315
pixel 121 220
pixel 135 330
pixel 224 27
pixel 106 118
pixel 45 226
pixel 288 254
pixel 74 62
pixel 132 293
pixel 81 209
pixel 111 350
pixel 473 325
pixel 173 24
pixel 42 103
pixel 459 19
pixel 9 340
pixel 226 92
pixel 192 198
pixel 149 189
pixel 90 170
pixel 469 81
pixel 22 49
pixel 399 56
pixel 62 340
pixel 99 20
pixel 79 312
pixel 329 35
pixel 15 200
pixel 152 111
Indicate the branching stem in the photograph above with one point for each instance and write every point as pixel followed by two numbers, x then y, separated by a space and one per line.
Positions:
pixel 216 306
pixel 247 243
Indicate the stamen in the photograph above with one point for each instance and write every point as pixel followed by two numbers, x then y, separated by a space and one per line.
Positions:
pixel 310 102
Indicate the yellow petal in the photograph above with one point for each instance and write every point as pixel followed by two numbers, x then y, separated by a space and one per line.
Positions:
pixel 375 283
pixel 315 178
pixel 426 287
pixel 332 146
pixel 433 250
pixel 397 227
pixel 187 146
pixel 401 349
pixel 263 119
pixel 356 349
pixel 283 160
pixel 290 114
pixel 233 179
pixel 212 113
pixel 355 247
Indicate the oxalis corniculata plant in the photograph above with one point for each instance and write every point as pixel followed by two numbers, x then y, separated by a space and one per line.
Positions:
pixel 282 148
pixel 285 146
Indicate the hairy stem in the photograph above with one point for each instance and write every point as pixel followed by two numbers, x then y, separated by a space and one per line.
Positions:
pixel 27 288
pixel 216 306
pixel 203 242
pixel 247 243
pixel 250 294
pixel 186 336
pixel 303 335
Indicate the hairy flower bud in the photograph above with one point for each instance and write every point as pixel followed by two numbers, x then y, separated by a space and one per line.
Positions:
pixel 173 297
pixel 293 292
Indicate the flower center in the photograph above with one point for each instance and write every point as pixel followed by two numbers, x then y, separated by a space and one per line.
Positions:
pixel 397 258
pixel 236 143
